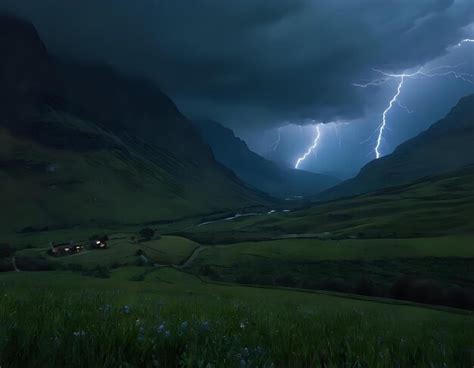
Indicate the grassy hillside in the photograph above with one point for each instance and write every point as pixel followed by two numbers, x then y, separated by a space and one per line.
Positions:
pixel 85 175
pixel 85 145
pixel 442 267
pixel 257 171
pixel 199 315
pixel 445 146
pixel 433 206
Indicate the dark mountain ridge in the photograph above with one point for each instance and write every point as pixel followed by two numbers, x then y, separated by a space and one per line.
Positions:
pixel 83 144
pixel 446 146
pixel 257 171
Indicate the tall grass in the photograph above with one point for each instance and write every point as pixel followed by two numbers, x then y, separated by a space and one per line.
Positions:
pixel 50 329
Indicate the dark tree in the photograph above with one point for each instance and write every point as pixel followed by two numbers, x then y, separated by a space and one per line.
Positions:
pixel 6 250
pixel 147 233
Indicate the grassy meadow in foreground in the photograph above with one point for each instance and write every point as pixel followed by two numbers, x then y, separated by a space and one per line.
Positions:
pixel 173 319
pixel 144 314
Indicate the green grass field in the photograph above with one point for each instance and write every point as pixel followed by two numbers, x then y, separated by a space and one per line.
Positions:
pixel 432 207
pixel 249 291
pixel 362 266
pixel 122 251
pixel 174 319
pixel 345 249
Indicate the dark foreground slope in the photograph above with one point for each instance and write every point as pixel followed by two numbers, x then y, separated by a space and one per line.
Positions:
pixel 85 145
pixel 256 170
pixel 447 145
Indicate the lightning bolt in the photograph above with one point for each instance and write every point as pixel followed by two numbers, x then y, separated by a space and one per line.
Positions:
pixel 383 124
pixel 275 145
pixel 466 40
pixel 335 127
pixel 311 148
pixel 441 71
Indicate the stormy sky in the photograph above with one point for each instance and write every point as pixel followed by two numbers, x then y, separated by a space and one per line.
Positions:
pixel 257 65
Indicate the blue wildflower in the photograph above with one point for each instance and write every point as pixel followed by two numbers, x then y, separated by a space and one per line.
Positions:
pixel 126 309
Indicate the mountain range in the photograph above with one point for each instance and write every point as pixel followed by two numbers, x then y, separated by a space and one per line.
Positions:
pixel 257 171
pixel 86 145
pixel 446 146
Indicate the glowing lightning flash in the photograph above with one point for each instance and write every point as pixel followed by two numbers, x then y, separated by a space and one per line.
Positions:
pixel 277 142
pixel 383 125
pixel 466 40
pixel 310 149
pixel 441 71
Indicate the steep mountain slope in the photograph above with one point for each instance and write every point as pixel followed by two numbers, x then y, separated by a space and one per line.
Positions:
pixel 82 145
pixel 256 170
pixel 447 145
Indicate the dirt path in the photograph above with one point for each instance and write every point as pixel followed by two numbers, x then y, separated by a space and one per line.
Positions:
pixel 192 257
pixel 14 265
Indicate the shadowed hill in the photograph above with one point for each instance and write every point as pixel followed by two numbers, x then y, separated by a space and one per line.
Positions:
pixel 447 145
pixel 85 145
pixel 258 171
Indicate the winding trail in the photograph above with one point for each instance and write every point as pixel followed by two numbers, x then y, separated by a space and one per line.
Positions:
pixel 192 257
pixel 14 264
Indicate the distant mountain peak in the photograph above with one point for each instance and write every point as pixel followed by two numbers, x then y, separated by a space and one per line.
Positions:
pixel 257 171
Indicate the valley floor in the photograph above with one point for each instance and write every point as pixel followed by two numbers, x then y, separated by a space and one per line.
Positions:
pixel 170 301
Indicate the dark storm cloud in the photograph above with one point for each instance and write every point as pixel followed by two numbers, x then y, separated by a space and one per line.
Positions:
pixel 254 62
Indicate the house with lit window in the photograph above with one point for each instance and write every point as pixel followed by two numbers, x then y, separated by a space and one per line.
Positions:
pixel 64 249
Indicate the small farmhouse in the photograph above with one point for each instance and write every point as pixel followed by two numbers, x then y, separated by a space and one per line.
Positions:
pixel 99 243
pixel 64 249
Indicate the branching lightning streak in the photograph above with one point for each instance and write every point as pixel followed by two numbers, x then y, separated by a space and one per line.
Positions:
pixel 466 40
pixel 420 73
pixel 383 125
pixel 338 136
pixel 335 127
pixel 311 148
pixel 277 142
pixel 405 107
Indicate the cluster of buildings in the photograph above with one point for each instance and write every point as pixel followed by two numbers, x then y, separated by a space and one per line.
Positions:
pixel 66 249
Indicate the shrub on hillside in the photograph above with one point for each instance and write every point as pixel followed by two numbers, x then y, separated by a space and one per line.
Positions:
pixel 209 271
pixel 365 286
pixel 146 233
pixel 6 265
pixel 459 297
pixel 285 280
pixel 429 291
pixel 6 250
